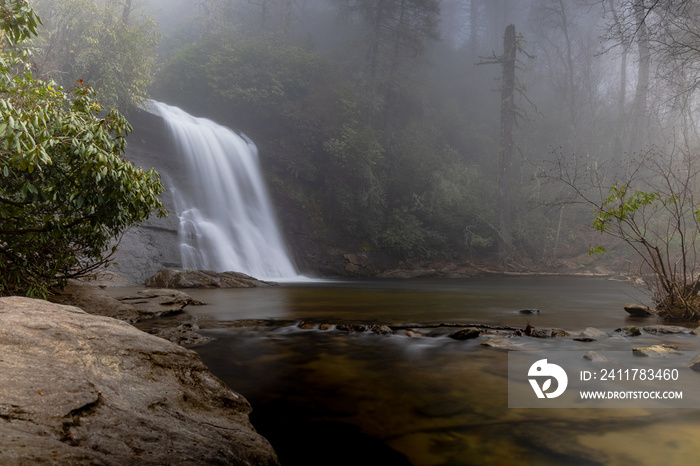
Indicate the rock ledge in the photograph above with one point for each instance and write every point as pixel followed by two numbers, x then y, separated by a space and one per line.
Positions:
pixel 175 278
pixel 82 389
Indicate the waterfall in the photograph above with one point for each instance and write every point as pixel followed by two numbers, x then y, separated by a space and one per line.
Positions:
pixel 226 218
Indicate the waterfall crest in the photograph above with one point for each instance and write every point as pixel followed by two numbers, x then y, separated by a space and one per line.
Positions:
pixel 226 218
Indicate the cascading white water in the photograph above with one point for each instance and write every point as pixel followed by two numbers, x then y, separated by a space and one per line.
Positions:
pixel 226 218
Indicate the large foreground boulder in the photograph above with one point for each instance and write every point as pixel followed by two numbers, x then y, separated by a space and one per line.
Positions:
pixel 82 389
pixel 176 278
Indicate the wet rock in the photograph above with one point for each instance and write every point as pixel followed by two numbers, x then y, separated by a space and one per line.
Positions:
pixel 175 278
pixel 657 351
pixel 695 363
pixel 466 334
pixel 529 311
pixel 184 335
pixel 595 357
pixel 501 343
pixel 541 333
pixel 352 327
pixel 306 325
pixel 82 389
pixel 382 330
pixel 547 332
pixel 665 329
pixel 629 331
pixel 414 334
pixel 637 310
pixel 591 334
pixel 325 327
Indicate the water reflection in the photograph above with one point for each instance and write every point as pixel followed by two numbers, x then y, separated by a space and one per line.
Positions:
pixel 565 302
pixel 353 398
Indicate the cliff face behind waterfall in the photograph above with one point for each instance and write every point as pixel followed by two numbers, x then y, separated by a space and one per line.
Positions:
pixel 154 244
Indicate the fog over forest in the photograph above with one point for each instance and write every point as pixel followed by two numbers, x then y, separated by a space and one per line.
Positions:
pixel 385 123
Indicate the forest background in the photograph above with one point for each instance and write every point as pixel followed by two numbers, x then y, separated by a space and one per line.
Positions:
pixel 376 120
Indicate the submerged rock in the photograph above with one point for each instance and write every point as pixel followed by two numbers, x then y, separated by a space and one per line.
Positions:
pixel 529 311
pixel 637 310
pixel 591 334
pixel 382 330
pixel 666 329
pixel 657 351
pixel 629 331
pixel 175 278
pixel 352 327
pixel 184 334
pixel 414 334
pixel 501 343
pixel 466 334
pixel 82 389
pixel 595 357
pixel 695 363
pixel 547 332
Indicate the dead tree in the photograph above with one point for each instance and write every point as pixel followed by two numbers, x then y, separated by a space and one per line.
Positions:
pixel 506 180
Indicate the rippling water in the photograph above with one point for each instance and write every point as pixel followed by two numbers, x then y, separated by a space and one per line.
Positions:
pixel 331 397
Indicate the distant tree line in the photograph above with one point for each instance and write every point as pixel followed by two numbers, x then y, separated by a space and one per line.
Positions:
pixel 373 117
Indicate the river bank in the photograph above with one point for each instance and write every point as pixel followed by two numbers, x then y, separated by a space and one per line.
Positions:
pixel 79 388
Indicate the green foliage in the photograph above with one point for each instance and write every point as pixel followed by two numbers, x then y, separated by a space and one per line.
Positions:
pixel 263 75
pixel 66 190
pixel 90 40
pixel 658 221
pixel 358 195
pixel 18 21
pixel 400 189
pixel 620 206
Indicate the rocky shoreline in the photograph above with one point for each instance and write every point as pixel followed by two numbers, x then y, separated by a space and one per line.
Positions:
pixel 80 388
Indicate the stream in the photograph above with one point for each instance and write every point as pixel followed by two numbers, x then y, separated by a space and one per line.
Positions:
pixel 349 398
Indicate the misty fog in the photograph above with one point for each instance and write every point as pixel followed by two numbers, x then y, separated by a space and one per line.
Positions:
pixel 383 119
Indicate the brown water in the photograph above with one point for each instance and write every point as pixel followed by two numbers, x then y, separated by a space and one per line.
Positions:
pixel 337 398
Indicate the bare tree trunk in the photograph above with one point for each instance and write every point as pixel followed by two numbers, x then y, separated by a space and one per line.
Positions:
pixel 622 97
pixel 505 149
pixel 569 65
pixel 126 12
pixel 639 124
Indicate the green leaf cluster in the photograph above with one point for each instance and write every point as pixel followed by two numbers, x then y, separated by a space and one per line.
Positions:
pixel 621 205
pixel 65 190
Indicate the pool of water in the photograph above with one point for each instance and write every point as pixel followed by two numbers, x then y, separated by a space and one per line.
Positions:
pixel 333 397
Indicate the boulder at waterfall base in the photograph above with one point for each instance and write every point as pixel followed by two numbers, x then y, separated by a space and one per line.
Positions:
pixel 82 389
pixel 175 278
